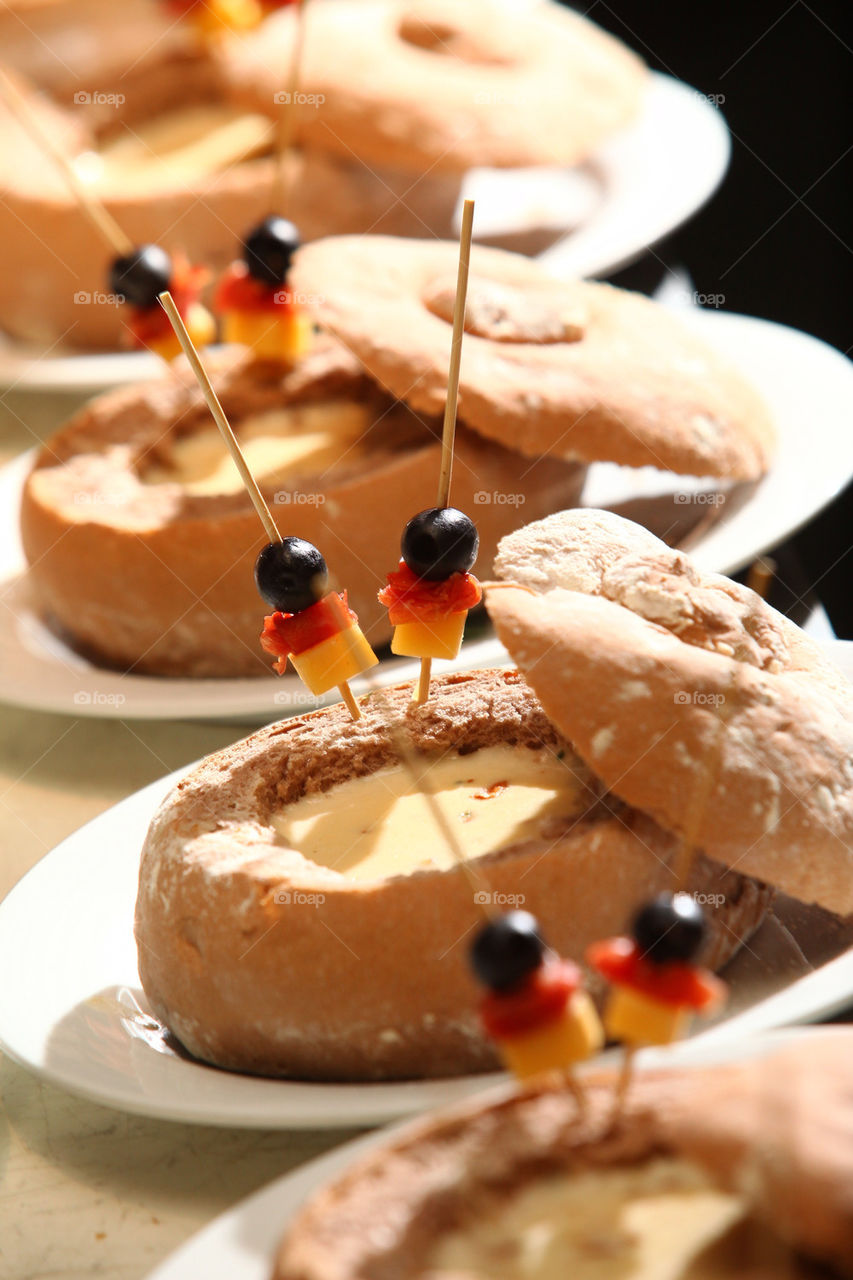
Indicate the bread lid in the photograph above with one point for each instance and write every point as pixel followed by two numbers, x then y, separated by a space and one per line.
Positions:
pixel 688 696
pixel 776 1128
pixel 437 86
pixel 572 369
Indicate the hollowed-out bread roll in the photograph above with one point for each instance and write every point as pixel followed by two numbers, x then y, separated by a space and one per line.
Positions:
pixel 744 1169
pixel 142 554
pixel 277 934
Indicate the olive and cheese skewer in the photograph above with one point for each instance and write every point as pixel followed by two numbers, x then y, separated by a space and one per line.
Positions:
pixel 138 274
pixel 256 306
pixel 536 1009
pixel 430 593
pixel 318 633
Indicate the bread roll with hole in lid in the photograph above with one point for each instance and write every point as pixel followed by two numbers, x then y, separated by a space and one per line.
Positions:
pixel 568 369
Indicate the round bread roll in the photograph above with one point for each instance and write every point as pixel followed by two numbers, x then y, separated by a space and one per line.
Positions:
pixel 175 163
pixel 698 701
pixel 574 370
pixel 263 958
pixel 744 1169
pixel 434 85
pixel 147 567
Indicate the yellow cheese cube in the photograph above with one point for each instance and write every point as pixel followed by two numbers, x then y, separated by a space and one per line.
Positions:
pixel 439 639
pixel 635 1018
pixel 281 337
pixel 326 665
pixel 200 326
pixel 575 1035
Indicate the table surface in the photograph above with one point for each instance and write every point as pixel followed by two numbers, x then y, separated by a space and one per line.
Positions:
pixel 85 1190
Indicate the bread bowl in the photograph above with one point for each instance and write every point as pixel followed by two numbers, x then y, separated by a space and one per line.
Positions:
pixel 285 928
pixel 178 142
pixel 742 1169
pixel 141 539
pixel 532 412
pixel 176 163
pixel 260 959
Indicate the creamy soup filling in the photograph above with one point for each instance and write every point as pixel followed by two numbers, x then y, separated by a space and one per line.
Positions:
pixel 305 439
pixel 661 1221
pixel 177 147
pixel 381 825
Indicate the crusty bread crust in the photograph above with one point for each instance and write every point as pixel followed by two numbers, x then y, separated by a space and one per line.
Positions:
pixel 435 85
pixel 149 578
pixel 776 1129
pixel 657 672
pixel 626 382
pixel 252 970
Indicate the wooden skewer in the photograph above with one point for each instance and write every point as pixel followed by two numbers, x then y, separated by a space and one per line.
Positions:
pixel 258 500
pixel 98 214
pixel 448 434
pixel 623 1084
pixel 168 304
pixel 761 576
pixel 289 116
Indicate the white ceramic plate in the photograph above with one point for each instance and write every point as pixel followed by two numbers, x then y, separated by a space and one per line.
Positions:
pixel 635 190
pixel 241 1244
pixel 79 1017
pixel 808 385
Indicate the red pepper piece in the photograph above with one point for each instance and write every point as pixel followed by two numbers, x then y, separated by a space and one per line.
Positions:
pixel 409 598
pixel 286 633
pixel 620 961
pixel 538 1000
pixel 150 324
pixel 239 291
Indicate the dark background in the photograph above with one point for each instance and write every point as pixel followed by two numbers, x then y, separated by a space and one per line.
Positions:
pixel 776 238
